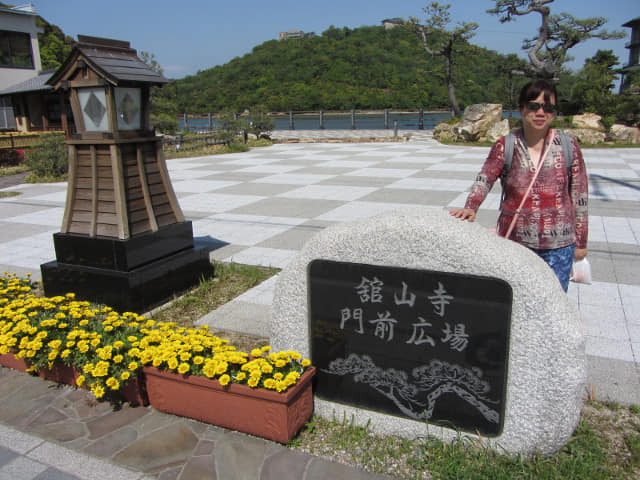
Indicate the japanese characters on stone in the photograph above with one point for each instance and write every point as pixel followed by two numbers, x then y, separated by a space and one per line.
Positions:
pixel 433 345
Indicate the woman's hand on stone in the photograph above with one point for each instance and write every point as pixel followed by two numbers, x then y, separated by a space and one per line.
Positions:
pixel 463 214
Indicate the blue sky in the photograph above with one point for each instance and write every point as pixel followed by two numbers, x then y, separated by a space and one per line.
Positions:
pixel 193 35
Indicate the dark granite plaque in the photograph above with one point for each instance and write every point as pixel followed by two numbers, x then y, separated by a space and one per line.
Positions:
pixel 412 343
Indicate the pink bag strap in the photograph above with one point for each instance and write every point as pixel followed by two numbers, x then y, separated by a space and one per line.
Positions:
pixel 543 155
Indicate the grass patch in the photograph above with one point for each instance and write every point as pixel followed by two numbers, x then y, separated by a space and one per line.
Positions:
pixel 8 194
pixel 604 446
pixel 231 280
pixel 6 171
pixel 218 149
pixel 34 178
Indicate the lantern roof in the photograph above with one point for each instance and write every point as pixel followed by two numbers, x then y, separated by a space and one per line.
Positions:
pixel 113 60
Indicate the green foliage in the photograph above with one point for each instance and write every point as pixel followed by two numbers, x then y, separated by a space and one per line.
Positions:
pixel 261 125
pixel 633 443
pixel 593 89
pixel 367 67
pixel 164 112
pixel 50 158
pixel 583 457
pixel 628 104
pixel 54 45
pixel 229 127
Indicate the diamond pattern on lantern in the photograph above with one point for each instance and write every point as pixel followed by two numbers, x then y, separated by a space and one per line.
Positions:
pixel 128 109
pixel 94 109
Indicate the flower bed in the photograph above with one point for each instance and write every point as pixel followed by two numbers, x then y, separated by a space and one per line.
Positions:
pixel 104 351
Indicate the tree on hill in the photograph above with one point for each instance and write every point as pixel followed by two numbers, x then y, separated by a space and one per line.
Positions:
pixel 557 34
pixel 54 45
pixel 438 41
pixel 341 69
pixel 593 89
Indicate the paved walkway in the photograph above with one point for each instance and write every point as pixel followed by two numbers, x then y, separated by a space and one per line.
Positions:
pixel 259 208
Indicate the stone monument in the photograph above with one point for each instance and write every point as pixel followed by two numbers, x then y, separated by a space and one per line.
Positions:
pixel 424 324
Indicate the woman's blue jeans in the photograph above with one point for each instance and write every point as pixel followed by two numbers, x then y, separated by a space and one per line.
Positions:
pixel 560 260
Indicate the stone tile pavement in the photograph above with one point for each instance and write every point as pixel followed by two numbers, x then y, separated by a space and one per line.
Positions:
pixel 260 207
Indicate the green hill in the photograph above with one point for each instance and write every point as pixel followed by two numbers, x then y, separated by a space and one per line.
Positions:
pixel 362 68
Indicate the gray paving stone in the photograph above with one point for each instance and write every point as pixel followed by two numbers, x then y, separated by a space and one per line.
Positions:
pixel 108 423
pixel 200 468
pixel 320 469
pixel 54 474
pixel 240 457
pixel 6 456
pixel 162 449
pixel 110 444
pixel 285 464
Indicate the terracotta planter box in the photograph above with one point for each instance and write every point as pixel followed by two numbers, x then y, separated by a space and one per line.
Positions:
pixel 133 392
pixel 263 413
pixel 10 361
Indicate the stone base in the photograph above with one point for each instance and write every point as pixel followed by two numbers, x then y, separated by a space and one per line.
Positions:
pixel 137 290
pixel 123 255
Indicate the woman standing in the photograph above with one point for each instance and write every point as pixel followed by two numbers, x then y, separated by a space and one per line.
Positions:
pixel 544 206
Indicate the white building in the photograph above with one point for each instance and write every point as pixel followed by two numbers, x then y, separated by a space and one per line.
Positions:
pixel 19 51
pixel 19 55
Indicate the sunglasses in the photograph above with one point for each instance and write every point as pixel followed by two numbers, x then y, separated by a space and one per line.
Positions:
pixel 535 106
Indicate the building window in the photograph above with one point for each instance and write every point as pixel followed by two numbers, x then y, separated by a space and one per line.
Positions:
pixel 15 50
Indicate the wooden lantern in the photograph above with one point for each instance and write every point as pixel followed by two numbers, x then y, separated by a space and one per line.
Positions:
pixel 122 219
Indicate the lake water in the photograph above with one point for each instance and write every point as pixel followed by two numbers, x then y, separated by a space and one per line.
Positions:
pixel 363 121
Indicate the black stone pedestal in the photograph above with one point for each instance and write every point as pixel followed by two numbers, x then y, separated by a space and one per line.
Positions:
pixel 128 275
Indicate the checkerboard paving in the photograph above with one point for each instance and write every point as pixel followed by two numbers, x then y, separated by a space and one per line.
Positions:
pixel 260 207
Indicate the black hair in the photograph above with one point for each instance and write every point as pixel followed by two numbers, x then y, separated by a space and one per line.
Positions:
pixel 532 90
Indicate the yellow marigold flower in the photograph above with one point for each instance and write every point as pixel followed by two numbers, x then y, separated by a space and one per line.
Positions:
pixel 101 369
pixel 281 386
pixel 224 379
pixel 256 352
pixel 253 382
pixel 183 368
pixel 111 382
pixel 221 368
pixel 53 355
pixel 98 391
pixel 266 348
pixel 83 323
pixel 95 342
pixel 125 376
pixel 173 364
pixel 131 338
pixel 108 328
pixel 117 345
pixel 241 376
pixel 305 362
pixel 118 359
pixel 80 380
pixel 156 362
pixel 270 383
pixel 278 376
pixel 266 368
pixel 280 363
pixel 295 355
pixel 65 353
pixel 185 356
pixel 198 360
pixel 133 366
